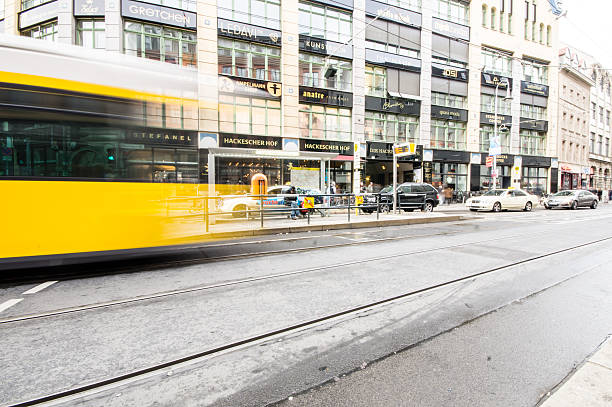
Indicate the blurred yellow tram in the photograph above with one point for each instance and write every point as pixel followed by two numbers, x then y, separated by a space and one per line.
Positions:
pixel 98 154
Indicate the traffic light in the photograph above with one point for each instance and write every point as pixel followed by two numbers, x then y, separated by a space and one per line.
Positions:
pixel 110 154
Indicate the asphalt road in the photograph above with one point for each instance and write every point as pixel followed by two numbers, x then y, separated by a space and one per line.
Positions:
pixel 564 316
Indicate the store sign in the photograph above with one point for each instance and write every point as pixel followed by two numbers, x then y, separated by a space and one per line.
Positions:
pixel 326 146
pixel 489 79
pixel 449 113
pixel 502 159
pixel 384 151
pixel 93 8
pixel 532 124
pixel 248 32
pixel 450 73
pixel 250 87
pixel 427 172
pixel 398 106
pixel 325 97
pixel 489 118
pixel 164 137
pixel 249 141
pixel 534 88
pixel 39 14
pixel 158 14
pixel 392 60
pixel 325 47
pixel 387 12
pixel 452 30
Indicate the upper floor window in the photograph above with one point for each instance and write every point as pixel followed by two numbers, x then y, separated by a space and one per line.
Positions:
pixel 497 63
pixel 249 60
pixel 453 10
pixel 493 18
pixel 325 122
pixel 393 38
pixel 548 36
pixel 1 13
pixel 46 31
pixel 322 72
pixel 446 100
pixel 375 81
pixel 90 33
pixel 487 104
pixel 160 43
pixel 534 112
pixel 27 4
pixel 325 22
pixel 414 5
pixel 189 5
pixel 535 72
pixel 485 17
pixel 265 13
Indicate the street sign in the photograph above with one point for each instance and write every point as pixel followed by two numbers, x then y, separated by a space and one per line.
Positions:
pixel 358 200
pixel 489 161
pixel 404 149
pixel 309 202
pixel 494 146
pixel 494 174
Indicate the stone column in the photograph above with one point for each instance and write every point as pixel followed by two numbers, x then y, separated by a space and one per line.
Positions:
pixel 289 69
pixel 65 22
pixel 113 26
pixel 11 19
pixel 358 112
pixel 426 60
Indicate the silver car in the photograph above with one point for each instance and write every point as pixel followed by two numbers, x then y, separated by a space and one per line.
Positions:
pixel 572 199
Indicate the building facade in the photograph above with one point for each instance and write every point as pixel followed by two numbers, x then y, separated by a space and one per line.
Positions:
pixel 318 91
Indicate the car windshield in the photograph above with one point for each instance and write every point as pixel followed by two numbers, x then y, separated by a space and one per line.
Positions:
pixel 496 192
pixel 564 193
pixel 387 189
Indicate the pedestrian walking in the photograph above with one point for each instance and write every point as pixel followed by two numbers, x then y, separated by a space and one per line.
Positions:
pixel 448 195
pixel 441 194
pixel 292 200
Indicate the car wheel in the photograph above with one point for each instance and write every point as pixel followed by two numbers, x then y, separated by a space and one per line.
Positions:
pixel 239 211
pixel 384 208
pixel 473 210
pixel 574 206
pixel 497 207
pixel 528 206
pixel 428 207
pixel 594 204
pixel 547 207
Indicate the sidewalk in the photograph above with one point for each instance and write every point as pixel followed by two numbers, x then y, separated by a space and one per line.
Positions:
pixel 227 227
pixel 590 385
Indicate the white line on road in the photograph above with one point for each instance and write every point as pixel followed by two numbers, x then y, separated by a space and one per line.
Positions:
pixel 39 287
pixel 8 304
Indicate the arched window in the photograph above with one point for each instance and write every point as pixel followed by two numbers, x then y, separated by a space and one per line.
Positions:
pixel 510 24
pixel 502 17
pixel 548 35
pixel 541 33
pixel 493 17
pixel 484 15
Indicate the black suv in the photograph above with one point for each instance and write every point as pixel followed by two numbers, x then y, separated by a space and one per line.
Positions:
pixel 410 196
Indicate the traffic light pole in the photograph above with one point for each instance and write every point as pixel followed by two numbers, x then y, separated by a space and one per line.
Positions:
pixel 394 182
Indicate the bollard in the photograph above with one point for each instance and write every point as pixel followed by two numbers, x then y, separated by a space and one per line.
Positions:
pixel 377 207
pixel 308 214
pixel 206 213
pixel 261 210
pixel 348 207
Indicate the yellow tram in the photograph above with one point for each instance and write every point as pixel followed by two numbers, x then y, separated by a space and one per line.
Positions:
pixel 98 154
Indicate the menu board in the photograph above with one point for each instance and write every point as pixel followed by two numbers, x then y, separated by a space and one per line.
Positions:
pixel 304 177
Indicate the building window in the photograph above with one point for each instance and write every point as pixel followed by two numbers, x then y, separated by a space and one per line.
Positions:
pixel 487 104
pixel 448 135
pixel 189 5
pixel 541 33
pixel 593 111
pixel 375 81
pixel 325 72
pixel 600 144
pixel 324 22
pixel 493 18
pixel 446 100
pixel 501 21
pixel 264 13
pixel 526 30
pixel 249 60
pixel 46 31
pixel 453 10
pixel 533 31
pixel 534 112
pixel 391 128
pixel 532 142
pixel 607 118
pixel 606 147
pixel 414 5
pixel 497 63
pixel 484 15
pixel 601 115
pixel 548 35
pixel 486 133
pixel 453 176
pixel 535 72
pixel 592 143
pixel 510 24
pixel 90 33
pixel 27 4
pixel 535 180
pixel 325 122
pixel 246 115
pixel 392 38
pixel 160 43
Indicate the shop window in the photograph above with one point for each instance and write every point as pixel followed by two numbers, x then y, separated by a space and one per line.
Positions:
pixel 247 115
pixel 452 10
pixel 535 180
pixel 393 38
pixel 448 134
pixel 375 81
pixel 453 176
pixel 487 104
pixel 325 72
pixel 90 33
pixel 160 43
pixel 487 132
pixel 486 181
pixel 391 128
pixel 264 13
pixel 249 60
pixel 325 22
pixel 532 142
pixel 446 100
pixel 325 122
pixel 497 63
pixel 46 31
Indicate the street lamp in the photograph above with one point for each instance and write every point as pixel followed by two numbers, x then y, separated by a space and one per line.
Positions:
pixel 495 145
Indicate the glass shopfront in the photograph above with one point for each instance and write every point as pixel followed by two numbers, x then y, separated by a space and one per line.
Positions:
pixel 503 177
pixel 535 180
pixel 450 175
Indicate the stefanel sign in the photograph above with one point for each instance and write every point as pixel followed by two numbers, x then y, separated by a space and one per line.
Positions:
pixel 534 88
pixel 399 106
pixel 249 141
pixel 248 32
pixel 165 137
pixel 326 146
pixel 325 97
pixel 158 14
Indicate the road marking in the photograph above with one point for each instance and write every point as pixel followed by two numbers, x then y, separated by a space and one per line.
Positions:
pixel 39 287
pixel 7 304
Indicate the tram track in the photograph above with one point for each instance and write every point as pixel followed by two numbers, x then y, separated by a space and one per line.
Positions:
pixel 237 282
pixel 116 381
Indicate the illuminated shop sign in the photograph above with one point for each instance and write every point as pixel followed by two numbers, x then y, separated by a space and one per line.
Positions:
pixel 326 146
pixel 384 151
pixel 83 8
pixel 165 137
pixel 449 113
pixel 158 14
pixel 325 97
pixel 534 88
pixel 250 141
pixel 450 73
pixel 250 87
pixel 489 118
pixel 399 106
pixel 248 32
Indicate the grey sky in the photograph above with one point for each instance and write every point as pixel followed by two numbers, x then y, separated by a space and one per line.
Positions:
pixel 587 27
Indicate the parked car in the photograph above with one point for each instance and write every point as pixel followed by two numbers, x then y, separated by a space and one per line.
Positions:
pixel 497 200
pixel 571 199
pixel 274 203
pixel 410 196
